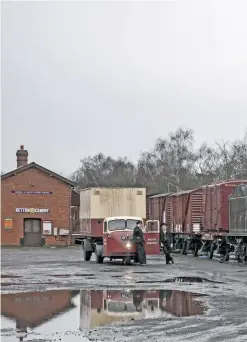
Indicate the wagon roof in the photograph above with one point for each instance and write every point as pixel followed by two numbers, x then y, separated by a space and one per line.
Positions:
pixel 184 192
pixel 243 181
pixel 38 167
pixel 165 194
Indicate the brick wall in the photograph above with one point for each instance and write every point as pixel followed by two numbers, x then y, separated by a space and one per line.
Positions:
pixel 58 203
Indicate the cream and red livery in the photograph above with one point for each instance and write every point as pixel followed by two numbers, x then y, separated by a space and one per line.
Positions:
pixel 117 239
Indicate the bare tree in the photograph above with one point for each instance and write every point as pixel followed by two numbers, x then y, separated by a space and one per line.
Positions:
pixel 176 158
pixel 100 170
pixel 171 165
pixel 232 159
pixel 206 165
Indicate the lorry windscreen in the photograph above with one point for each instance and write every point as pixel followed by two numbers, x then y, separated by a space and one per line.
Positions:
pixel 121 224
pixel 130 224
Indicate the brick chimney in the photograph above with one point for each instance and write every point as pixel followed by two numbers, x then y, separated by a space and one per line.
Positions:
pixel 21 157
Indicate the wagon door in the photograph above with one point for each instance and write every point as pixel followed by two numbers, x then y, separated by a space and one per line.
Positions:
pixel 105 238
pixel 152 237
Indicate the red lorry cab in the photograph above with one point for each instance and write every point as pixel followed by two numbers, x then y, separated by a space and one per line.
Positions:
pixel 118 235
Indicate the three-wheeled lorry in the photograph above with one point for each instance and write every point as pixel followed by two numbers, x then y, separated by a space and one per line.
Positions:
pixel 118 240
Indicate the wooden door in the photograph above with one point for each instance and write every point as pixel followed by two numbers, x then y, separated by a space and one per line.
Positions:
pixel 32 233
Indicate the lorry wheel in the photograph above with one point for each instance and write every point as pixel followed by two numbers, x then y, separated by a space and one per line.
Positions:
pixel 126 261
pixel 99 259
pixel 87 255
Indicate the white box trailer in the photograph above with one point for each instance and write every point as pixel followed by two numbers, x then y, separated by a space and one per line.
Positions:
pixel 98 203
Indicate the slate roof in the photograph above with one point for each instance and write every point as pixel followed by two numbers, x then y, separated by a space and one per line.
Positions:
pixel 40 168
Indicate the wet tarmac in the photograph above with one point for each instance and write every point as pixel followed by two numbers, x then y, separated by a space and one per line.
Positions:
pixel 40 314
pixel 53 295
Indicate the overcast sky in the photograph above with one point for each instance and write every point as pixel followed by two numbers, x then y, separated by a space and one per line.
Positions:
pixel 82 78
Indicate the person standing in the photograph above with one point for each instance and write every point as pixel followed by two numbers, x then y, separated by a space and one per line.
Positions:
pixel 167 251
pixel 162 236
pixel 138 297
pixel 224 250
pixel 138 239
pixel 166 245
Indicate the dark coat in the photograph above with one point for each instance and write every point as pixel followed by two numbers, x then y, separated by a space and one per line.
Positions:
pixel 162 235
pixel 166 247
pixel 138 236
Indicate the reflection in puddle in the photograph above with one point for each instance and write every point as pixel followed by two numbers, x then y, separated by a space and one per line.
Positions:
pixel 105 307
pixel 62 311
pixel 192 280
pixel 181 280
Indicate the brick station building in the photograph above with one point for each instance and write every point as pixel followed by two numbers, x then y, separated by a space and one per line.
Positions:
pixel 37 205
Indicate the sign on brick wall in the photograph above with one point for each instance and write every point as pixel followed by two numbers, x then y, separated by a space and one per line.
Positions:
pixel 8 223
pixel 27 192
pixel 47 228
pixel 31 210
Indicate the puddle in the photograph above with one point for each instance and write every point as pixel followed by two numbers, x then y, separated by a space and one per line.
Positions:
pixel 71 275
pixel 110 270
pixel 148 272
pixel 181 280
pixel 44 315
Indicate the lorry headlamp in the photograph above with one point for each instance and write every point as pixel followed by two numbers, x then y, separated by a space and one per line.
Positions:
pixel 128 244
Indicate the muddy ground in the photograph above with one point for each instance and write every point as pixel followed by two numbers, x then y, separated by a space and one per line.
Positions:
pixel 53 295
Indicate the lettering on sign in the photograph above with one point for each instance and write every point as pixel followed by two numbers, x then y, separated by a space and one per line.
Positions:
pixel 21 299
pixel 152 241
pixel 31 210
pixel 27 192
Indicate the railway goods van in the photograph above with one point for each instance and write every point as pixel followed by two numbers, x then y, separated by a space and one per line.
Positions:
pixel 238 222
pixel 216 207
pixel 238 212
pixel 157 207
pixel 202 212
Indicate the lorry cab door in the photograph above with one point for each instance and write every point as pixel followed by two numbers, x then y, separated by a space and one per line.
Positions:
pixel 152 237
pixel 105 238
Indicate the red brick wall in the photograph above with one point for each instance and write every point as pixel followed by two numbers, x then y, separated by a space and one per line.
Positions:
pixel 58 204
